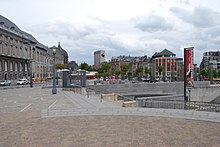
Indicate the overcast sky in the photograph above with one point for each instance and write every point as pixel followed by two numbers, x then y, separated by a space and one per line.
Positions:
pixel 120 27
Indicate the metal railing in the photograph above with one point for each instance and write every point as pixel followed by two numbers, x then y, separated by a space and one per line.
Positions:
pixel 151 103
pixel 203 106
pixel 192 105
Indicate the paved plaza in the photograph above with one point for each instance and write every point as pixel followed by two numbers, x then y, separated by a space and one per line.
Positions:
pixel 35 117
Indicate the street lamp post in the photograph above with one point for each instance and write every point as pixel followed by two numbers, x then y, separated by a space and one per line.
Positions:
pixel 31 80
pixel 54 90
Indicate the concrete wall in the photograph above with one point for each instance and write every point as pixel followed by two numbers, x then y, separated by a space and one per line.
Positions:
pixel 202 91
pixel 175 87
pixel 205 94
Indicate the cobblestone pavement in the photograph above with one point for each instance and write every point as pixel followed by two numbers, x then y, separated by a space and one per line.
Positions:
pixel 22 124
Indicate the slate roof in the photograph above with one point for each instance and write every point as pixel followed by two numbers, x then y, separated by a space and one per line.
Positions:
pixel 164 53
pixel 9 26
pixel 60 49
pixel 40 45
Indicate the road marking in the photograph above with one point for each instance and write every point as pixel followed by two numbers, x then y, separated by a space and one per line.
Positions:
pixel 25 108
pixel 52 104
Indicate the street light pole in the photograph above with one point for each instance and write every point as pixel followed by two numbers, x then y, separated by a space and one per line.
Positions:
pixel 54 90
pixel 31 81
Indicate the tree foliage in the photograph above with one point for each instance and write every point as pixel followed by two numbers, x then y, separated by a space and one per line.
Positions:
pixel 124 69
pixel 104 70
pixel 105 67
pixel 208 73
pixel 147 70
pixel 61 66
pixel 85 66
pixel 203 72
pixel 215 73
pixel 139 70
pixel 160 69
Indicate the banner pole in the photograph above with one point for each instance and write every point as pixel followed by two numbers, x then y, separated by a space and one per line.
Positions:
pixel 185 98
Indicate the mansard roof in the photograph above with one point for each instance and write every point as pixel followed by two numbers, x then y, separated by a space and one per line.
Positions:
pixel 40 45
pixel 163 53
pixel 9 26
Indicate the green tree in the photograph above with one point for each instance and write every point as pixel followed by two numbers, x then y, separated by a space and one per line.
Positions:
pixel 117 72
pixel 139 72
pixel 215 73
pixel 147 71
pixel 104 70
pixel 85 66
pixel 124 69
pixel 61 66
pixel 105 67
pixel 129 75
pixel 204 73
pixel 160 69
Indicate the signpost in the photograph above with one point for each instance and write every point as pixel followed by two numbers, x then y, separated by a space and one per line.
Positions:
pixel 188 70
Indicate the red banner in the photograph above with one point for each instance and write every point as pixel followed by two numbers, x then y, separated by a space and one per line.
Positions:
pixel 189 65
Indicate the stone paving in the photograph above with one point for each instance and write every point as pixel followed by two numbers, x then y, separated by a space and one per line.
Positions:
pixel 34 117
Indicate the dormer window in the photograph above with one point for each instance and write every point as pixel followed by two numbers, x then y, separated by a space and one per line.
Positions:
pixel 2 23
pixel 12 28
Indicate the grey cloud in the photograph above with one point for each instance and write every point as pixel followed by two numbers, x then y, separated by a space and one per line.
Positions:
pixel 209 37
pixel 199 17
pixel 152 23
pixel 214 32
pixel 64 29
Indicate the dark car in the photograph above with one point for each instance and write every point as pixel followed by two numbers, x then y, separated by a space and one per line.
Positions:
pixel 5 83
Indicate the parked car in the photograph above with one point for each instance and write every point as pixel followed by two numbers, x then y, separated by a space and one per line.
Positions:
pixel 22 82
pixel 5 83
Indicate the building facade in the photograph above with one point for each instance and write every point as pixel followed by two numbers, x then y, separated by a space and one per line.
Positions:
pixel 99 57
pixel 164 66
pixel 73 66
pixel 140 62
pixel 61 57
pixel 21 55
pixel 210 59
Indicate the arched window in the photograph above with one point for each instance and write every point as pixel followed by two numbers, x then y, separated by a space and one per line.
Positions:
pixel 11 67
pixel 25 67
pixel 16 67
pixel 6 66
pixel 20 67
pixel 0 66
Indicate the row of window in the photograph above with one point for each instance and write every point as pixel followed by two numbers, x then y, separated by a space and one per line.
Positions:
pixel 12 66
pixel 16 48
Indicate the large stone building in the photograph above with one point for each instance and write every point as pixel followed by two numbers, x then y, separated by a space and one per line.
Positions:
pixel 21 54
pixel 61 57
